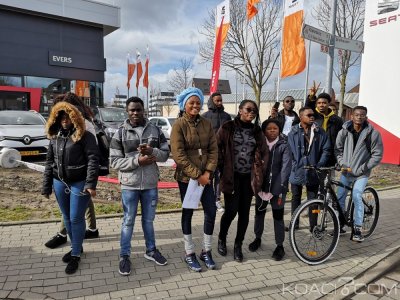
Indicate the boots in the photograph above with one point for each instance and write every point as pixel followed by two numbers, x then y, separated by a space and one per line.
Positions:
pixel 222 247
pixel 237 253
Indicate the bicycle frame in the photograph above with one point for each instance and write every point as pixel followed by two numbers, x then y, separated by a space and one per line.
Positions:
pixel 323 190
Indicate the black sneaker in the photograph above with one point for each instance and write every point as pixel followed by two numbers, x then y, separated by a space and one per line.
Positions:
pixel 67 257
pixel 157 257
pixel 237 253
pixel 279 253
pixel 56 241
pixel 206 257
pixel 192 262
pixel 357 236
pixel 89 234
pixel 73 265
pixel 254 245
pixel 124 265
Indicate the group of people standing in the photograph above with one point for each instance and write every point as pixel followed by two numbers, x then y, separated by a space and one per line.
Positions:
pixel 237 157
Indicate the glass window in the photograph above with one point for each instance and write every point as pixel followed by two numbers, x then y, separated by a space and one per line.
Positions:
pixel 14 100
pixel 113 114
pixel 10 80
pixel 20 118
pixel 162 122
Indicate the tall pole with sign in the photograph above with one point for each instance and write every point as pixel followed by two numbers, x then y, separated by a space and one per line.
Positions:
pixel 331 51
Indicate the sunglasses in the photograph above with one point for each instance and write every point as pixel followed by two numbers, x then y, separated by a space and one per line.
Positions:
pixel 289 101
pixel 249 110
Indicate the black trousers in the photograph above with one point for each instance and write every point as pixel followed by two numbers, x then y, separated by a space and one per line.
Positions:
pixel 208 203
pixel 237 203
pixel 277 213
pixel 312 192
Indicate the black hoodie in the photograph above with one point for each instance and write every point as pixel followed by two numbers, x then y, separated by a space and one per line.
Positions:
pixel 217 116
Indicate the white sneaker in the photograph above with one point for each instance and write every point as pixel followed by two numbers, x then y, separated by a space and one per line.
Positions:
pixel 219 206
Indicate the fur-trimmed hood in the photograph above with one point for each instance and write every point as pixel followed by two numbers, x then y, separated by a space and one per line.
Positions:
pixel 52 128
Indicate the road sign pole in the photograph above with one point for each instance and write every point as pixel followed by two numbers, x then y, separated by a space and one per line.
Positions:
pixel 331 52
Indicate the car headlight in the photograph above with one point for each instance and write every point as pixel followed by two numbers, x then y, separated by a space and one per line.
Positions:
pixel 110 131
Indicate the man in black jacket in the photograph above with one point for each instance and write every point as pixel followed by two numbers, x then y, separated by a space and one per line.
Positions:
pixel 217 117
pixel 327 120
pixel 286 117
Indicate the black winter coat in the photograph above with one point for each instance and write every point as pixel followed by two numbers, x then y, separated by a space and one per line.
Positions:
pixel 281 119
pixel 72 158
pixel 278 168
pixel 335 124
pixel 217 116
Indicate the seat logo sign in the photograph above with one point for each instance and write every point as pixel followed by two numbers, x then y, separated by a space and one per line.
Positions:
pixel 26 139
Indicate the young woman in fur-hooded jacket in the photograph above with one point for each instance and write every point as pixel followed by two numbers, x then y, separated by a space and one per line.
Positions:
pixel 72 165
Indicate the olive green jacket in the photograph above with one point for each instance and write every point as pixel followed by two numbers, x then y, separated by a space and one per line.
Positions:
pixel 194 147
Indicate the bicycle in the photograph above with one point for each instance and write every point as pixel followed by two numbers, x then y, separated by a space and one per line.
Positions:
pixel 315 228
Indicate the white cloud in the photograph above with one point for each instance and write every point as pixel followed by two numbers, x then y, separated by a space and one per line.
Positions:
pixel 170 28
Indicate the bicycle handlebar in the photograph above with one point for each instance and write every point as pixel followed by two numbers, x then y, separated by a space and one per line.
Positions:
pixel 337 168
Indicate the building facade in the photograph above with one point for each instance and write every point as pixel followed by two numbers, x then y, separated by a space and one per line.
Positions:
pixel 50 48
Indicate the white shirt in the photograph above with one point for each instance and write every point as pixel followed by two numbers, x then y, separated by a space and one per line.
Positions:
pixel 288 125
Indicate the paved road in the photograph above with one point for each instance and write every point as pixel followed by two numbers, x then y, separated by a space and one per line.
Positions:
pixel 28 270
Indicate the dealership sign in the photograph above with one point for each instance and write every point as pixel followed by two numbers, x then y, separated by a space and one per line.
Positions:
pixel 76 60
pixel 379 66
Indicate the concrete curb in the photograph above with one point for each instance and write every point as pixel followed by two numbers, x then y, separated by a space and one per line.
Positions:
pixel 120 215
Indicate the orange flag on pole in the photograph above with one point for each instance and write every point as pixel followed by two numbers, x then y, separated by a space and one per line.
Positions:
pixel 223 20
pixel 139 72
pixel 146 70
pixel 131 71
pixel 251 8
pixel 293 59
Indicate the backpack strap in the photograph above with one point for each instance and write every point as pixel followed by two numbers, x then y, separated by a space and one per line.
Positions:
pixel 120 132
pixel 368 141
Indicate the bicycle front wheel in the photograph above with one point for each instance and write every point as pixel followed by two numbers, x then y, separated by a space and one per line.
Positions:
pixel 314 232
pixel 371 211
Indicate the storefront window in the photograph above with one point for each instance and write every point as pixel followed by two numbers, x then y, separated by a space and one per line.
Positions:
pixel 10 80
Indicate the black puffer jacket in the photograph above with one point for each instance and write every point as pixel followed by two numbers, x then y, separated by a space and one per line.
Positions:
pixel 278 168
pixel 72 156
pixel 217 116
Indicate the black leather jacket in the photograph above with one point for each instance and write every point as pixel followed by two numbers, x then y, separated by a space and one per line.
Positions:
pixel 71 157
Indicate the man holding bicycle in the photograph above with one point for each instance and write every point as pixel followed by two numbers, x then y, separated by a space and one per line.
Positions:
pixel 359 149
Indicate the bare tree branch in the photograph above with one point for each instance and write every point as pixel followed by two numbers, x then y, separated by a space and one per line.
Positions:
pixel 349 24
pixel 182 76
pixel 254 57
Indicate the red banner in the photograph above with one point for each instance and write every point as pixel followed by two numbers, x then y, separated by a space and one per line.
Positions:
pixel 146 73
pixel 216 61
pixel 131 70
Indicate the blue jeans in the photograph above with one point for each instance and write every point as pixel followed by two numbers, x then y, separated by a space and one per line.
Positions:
pixel 208 203
pixel 359 185
pixel 73 205
pixel 148 201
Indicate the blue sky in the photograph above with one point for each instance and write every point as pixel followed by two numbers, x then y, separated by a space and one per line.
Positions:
pixel 171 29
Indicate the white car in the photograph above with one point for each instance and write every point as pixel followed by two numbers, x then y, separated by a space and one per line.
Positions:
pixel 23 131
pixel 165 123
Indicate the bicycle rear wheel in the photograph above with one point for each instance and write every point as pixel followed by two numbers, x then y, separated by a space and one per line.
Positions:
pixel 312 240
pixel 371 211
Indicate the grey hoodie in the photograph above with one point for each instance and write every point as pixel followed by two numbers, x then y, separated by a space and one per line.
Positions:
pixel 361 160
pixel 124 155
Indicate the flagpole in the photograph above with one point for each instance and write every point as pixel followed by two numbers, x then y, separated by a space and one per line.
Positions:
pixel 307 72
pixel 278 83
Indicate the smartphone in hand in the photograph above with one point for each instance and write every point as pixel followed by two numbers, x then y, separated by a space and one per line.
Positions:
pixel 276 105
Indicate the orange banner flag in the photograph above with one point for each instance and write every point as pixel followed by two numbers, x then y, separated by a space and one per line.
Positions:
pixel 251 9
pixel 293 47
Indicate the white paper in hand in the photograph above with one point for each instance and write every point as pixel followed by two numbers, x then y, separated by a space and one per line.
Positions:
pixel 193 195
